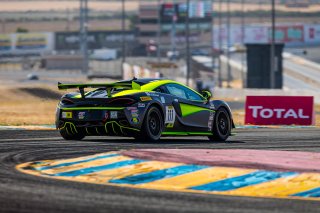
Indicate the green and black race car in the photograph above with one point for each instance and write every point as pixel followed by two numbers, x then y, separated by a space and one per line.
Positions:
pixel 145 109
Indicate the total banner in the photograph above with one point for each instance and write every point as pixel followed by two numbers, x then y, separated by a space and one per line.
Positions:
pixel 279 110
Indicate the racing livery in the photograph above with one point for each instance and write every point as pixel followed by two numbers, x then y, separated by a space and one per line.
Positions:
pixel 145 109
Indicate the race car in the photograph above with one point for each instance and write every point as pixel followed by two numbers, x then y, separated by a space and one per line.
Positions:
pixel 145 109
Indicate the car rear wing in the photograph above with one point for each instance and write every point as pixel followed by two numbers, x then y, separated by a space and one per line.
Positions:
pixel 108 87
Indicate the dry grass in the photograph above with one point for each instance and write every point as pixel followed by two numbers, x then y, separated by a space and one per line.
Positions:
pixel 20 108
pixel 18 113
pixel 238 117
pixel 233 84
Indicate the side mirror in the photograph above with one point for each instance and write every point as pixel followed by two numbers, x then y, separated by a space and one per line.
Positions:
pixel 206 94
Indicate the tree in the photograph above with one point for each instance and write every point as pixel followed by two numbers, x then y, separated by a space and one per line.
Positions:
pixel 22 30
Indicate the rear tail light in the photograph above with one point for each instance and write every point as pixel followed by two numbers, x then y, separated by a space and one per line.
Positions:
pixel 66 101
pixel 122 101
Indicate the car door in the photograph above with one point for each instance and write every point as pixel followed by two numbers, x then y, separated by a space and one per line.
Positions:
pixel 192 109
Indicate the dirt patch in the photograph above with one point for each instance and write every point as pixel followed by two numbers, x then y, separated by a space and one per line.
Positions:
pixel 41 93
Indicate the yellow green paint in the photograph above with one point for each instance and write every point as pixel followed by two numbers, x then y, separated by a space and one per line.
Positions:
pixel 131 88
pixel 187 109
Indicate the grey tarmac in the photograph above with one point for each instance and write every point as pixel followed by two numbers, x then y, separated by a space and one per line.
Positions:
pixel 25 193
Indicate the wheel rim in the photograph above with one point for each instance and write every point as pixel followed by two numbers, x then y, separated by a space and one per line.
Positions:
pixel 154 123
pixel 223 123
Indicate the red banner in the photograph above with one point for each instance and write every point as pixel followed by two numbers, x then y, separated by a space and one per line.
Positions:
pixel 279 110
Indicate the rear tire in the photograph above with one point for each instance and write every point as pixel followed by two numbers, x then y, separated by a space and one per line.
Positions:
pixel 68 135
pixel 221 126
pixel 152 126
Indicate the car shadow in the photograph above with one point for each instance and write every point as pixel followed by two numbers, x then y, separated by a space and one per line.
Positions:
pixel 161 141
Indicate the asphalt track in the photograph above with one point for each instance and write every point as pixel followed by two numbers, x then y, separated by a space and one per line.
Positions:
pixel 20 192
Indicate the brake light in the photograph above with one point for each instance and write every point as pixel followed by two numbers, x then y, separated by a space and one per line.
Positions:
pixel 66 101
pixel 122 101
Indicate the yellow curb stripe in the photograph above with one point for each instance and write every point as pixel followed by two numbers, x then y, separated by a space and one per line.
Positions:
pixel 36 173
pixel 145 167
pixel 197 178
pixel 93 163
pixel 278 188
pixel 281 187
pixel 70 160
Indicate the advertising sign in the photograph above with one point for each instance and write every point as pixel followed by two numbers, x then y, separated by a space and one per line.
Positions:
pixel 197 10
pixel 291 35
pixel 255 34
pixel 279 110
pixel 288 34
pixel 26 43
pixel 5 42
pixel 31 41
pixel 96 40
pixel 312 33
pixel 168 10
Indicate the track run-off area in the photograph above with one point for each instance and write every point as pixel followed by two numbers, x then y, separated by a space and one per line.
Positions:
pixel 258 170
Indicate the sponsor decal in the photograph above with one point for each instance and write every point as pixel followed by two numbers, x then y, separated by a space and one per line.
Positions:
pixel 170 115
pixel 66 114
pixel 212 106
pixel 81 115
pixel 152 94
pixel 135 115
pixel 163 100
pixel 279 110
pixel 211 118
pixel 141 105
pixel 132 108
pixel 170 125
pixel 145 98
pixel 113 114
pixel 210 126
pixel 135 120
pixel 106 115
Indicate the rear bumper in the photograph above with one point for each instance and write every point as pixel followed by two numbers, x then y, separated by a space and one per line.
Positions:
pixel 112 128
pixel 102 121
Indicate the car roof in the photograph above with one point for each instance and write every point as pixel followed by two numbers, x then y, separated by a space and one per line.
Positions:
pixel 151 83
pixel 143 81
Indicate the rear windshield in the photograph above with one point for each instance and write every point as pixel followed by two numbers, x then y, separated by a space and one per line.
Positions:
pixel 102 93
